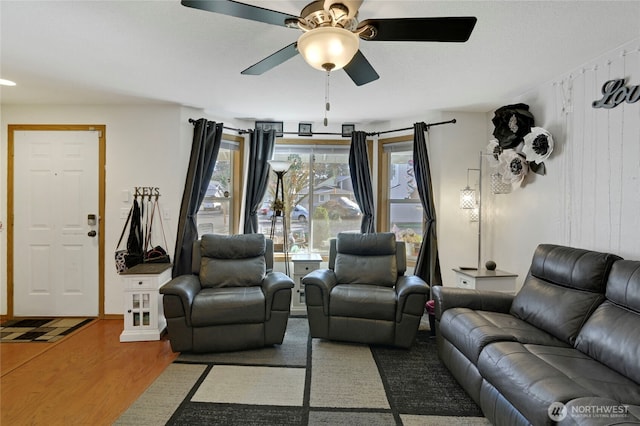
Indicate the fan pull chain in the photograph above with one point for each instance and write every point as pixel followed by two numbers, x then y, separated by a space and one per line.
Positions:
pixel 327 105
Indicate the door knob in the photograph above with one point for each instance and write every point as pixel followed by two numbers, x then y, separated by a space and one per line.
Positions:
pixel 92 233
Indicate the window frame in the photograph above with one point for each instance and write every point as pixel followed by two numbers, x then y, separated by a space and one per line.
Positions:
pixel 383 223
pixel 279 256
pixel 237 176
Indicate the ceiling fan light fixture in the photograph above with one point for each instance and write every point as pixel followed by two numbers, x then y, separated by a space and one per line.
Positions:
pixel 326 46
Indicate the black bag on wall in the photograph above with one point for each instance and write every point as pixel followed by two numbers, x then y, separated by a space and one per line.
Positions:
pixel 134 254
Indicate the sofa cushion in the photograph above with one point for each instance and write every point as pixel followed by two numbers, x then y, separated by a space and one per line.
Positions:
pixel 532 377
pixel 610 335
pixel 555 309
pixel 623 286
pixel 232 260
pixel 563 287
pixel 470 331
pixel 366 259
pixel 240 305
pixel 363 301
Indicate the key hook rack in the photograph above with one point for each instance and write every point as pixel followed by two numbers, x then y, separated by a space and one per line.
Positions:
pixel 146 191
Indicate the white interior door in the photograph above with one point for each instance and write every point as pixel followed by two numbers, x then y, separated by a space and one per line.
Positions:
pixel 56 200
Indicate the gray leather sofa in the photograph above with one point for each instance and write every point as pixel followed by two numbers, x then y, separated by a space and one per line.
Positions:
pixel 232 300
pixel 364 295
pixel 562 350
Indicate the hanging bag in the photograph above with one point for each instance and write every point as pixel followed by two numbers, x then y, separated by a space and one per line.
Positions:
pixel 121 266
pixel 134 254
pixel 155 254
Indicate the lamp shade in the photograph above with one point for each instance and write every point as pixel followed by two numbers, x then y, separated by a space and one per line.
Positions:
pixel 328 47
pixel 279 166
pixel 467 198
pixel 474 214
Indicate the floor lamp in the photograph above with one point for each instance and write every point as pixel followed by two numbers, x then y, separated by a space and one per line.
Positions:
pixel 280 168
pixel 469 201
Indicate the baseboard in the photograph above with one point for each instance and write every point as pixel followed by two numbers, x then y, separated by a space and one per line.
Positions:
pixel 113 317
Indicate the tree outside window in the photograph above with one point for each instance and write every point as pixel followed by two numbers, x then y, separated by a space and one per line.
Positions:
pixel 319 200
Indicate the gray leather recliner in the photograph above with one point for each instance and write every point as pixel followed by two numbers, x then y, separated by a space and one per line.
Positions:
pixel 232 300
pixel 364 295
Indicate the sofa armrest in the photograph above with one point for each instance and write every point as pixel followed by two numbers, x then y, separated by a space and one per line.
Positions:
pixel 324 280
pixel 272 283
pixel 453 297
pixel 186 287
pixel 406 286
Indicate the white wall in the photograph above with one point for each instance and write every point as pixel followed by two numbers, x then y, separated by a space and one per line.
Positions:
pixel 146 145
pixel 590 196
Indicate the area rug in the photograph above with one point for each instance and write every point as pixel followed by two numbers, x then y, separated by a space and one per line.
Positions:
pixel 308 381
pixel 47 330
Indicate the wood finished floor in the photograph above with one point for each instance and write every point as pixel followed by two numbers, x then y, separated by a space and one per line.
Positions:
pixel 88 378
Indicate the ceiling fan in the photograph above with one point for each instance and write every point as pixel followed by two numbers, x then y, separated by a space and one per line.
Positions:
pixel 332 33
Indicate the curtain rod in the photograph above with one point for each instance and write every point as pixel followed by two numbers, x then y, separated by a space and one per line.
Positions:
pixel 427 125
pixel 452 121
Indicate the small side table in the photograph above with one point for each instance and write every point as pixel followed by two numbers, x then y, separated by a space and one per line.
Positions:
pixel 143 311
pixel 504 282
pixel 303 263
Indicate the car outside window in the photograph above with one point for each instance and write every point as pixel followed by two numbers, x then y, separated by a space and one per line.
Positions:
pixel 319 200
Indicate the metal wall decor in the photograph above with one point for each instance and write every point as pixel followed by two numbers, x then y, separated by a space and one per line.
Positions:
pixel 614 92
pixel 268 125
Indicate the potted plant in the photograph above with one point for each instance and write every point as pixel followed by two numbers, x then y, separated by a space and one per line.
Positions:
pixel 412 241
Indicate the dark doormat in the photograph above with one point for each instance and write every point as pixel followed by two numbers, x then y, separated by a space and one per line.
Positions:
pixel 48 330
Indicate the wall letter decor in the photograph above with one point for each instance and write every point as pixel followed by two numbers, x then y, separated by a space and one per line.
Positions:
pixel 615 93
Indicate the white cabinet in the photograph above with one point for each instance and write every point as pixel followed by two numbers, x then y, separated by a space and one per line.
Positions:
pixel 143 312
pixel 303 263
pixel 483 279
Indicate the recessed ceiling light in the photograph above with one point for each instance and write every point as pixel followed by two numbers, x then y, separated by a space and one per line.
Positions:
pixel 4 82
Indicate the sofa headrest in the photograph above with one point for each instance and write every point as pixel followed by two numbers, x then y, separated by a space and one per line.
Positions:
pixel 240 246
pixel 196 258
pixel 375 244
pixel 366 259
pixel 232 260
pixel 610 335
pixel 623 287
pixel 562 289
pixel 571 267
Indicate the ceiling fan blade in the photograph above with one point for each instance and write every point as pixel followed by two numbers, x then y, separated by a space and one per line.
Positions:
pixel 360 70
pixel 240 10
pixel 273 60
pixel 450 29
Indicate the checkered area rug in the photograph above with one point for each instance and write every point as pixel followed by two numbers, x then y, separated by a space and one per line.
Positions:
pixel 308 382
pixel 39 329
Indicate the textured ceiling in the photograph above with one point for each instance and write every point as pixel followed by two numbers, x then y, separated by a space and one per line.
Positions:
pixel 97 52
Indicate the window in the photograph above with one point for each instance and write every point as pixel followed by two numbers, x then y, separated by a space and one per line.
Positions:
pixel 217 211
pixel 400 208
pixel 319 200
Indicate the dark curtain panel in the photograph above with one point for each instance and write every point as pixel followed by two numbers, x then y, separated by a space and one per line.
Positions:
pixel 428 262
pixel 207 137
pixel 361 180
pixel 260 151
